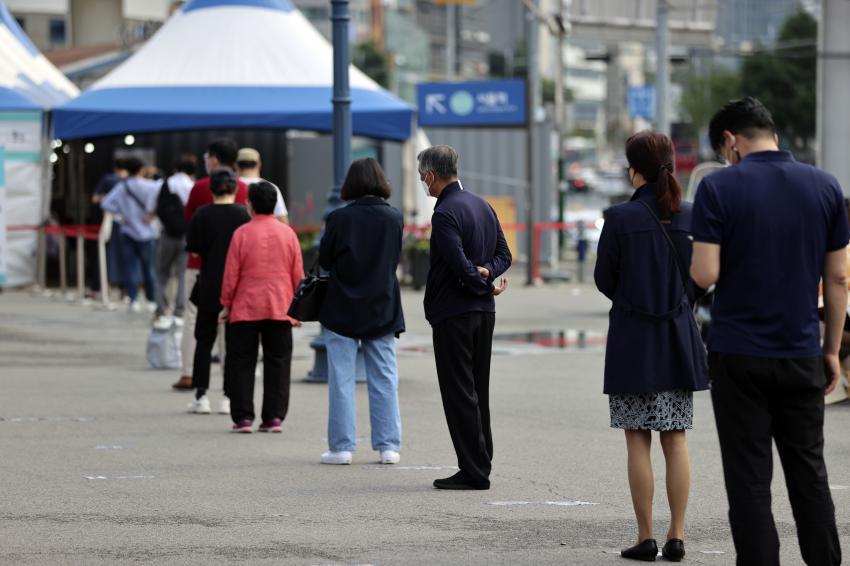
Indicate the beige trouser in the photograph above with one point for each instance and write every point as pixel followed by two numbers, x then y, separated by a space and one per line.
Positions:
pixel 190 315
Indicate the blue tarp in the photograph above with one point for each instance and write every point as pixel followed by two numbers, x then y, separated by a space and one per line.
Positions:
pixel 103 112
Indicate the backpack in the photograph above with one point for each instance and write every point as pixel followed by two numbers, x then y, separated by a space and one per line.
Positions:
pixel 169 210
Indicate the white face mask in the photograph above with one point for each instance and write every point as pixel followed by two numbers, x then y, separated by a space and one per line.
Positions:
pixel 426 187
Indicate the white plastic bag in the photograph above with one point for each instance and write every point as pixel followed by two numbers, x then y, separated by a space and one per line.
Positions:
pixel 163 348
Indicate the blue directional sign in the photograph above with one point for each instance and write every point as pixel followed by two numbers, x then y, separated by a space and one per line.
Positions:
pixel 475 103
pixel 642 102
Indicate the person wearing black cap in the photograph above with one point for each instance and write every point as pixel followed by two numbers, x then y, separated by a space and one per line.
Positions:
pixel 208 237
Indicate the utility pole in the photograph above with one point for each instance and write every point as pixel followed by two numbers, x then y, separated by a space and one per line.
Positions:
pixel 833 88
pixel 662 67
pixel 377 13
pixel 451 41
pixel 532 90
pixel 562 28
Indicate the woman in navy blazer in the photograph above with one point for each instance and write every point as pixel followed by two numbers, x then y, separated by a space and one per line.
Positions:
pixel 360 249
pixel 655 358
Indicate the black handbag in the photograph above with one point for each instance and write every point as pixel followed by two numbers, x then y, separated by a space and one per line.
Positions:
pixel 309 296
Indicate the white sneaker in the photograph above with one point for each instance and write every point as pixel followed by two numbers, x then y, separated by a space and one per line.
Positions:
pixel 224 406
pixel 150 307
pixel 390 457
pixel 200 406
pixel 337 458
pixel 135 306
pixel 178 322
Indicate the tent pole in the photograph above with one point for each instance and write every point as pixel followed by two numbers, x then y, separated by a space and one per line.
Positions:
pixel 40 284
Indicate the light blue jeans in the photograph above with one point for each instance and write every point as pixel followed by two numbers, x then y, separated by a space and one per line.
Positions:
pixel 382 381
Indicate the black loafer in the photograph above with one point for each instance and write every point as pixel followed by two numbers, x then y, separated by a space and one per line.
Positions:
pixel 647 551
pixel 461 481
pixel 674 550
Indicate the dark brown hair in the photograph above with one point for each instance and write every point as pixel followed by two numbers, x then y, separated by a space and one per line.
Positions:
pixel 365 177
pixel 222 182
pixel 652 155
pixel 263 197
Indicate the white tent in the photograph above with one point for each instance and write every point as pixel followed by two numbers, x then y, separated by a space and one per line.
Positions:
pixel 230 64
pixel 29 85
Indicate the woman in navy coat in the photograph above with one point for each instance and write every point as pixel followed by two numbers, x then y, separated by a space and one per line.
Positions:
pixel 655 358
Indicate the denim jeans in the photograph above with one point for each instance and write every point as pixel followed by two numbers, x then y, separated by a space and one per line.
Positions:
pixel 140 253
pixel 382 381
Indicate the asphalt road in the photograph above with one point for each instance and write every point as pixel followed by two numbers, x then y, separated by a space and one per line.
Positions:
pixel 99 463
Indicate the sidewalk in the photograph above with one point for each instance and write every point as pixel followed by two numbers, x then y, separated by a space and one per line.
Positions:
pixel 101 465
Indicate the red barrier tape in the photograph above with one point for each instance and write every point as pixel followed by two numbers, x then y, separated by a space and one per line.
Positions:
pixel 87 231
pixel 90 231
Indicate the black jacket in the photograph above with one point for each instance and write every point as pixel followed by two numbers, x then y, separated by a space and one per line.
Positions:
pixel 209 235
pixel 465 234
pixel 653 342
pixel 361 248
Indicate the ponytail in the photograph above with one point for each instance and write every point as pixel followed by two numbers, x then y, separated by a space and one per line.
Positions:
pixel 668 191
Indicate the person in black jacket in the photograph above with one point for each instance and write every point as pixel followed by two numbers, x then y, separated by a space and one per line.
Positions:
pixel 361 248
pixel 655 358
pixel 468 253
pixel 208 236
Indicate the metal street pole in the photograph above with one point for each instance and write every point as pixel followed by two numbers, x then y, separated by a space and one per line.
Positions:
pixel 341 156
pixel 451 41
pixel 662 67
pixel 833 120
pixel 562 29
pixel 341 101
pixel 532 90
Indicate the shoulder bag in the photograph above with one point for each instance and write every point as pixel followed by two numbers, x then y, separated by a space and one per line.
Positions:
pixel 309 296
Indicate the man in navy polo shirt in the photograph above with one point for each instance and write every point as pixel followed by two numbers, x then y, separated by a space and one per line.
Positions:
pixel 766 230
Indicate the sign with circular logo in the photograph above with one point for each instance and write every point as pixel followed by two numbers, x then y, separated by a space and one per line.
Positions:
pixel 462 103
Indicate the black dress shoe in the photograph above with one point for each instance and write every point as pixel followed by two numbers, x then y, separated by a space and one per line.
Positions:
pixel 646 551
pixel 461 481
pixel 674 550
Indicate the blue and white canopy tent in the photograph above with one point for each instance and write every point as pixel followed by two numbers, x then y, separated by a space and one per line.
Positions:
pixel 230 64
pixel 29 86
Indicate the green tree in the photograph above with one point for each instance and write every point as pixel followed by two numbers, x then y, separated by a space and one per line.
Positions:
pixel 702 96
pixel 785 80
pixel 372 61
pixel 519 70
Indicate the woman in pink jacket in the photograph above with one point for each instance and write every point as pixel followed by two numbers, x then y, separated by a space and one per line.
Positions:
pixel 260 277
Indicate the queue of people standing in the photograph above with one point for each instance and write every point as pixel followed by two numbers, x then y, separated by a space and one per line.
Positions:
pixel 243 265
pixel 763 232
pixel 763 219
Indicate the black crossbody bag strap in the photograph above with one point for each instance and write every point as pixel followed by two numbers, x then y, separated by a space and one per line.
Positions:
pixel 133 196
pixel 676 255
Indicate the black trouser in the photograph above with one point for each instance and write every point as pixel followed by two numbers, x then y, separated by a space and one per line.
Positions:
pixel 206 331
pixel 462 348
pixel 243 339
pixel 757 400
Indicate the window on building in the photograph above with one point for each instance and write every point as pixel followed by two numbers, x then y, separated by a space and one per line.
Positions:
pixel 57 31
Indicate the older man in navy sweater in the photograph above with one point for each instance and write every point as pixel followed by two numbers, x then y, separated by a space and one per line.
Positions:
pixel 468 253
